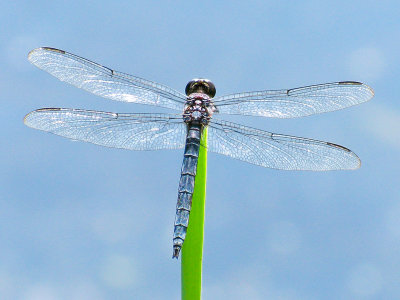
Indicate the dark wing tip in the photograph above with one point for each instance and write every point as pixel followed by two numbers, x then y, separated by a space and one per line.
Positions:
pixel 26 118
pixel 49 108
pixel 28 115
pixel 350 83
pixel 32 52
pixel 358 165
pixel 339 146
pixel 53 49
pixel 358 83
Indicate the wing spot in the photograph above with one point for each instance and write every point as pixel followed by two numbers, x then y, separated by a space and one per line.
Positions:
pixel 53 49
pixel 350 83
pixel 49 108
pixel 338 146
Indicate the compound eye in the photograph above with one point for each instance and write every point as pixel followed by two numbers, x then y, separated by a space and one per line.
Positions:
pixel 189 87
pixel 211 91
pixel 200 86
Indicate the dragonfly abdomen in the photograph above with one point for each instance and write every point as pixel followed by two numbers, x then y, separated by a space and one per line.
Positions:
pixel 186 186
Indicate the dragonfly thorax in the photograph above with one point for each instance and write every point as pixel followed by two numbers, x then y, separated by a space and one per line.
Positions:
pixel 198 108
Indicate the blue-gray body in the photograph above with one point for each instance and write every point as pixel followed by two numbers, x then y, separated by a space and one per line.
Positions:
pixel 186 185
pixel 197 114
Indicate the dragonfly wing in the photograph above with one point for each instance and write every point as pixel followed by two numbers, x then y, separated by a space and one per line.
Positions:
pixel 126 131
pixel 103 81
pixel 278 151
pixel 298 102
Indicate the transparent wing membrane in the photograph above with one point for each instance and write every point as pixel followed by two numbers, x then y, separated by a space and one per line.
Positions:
pixel 278 151
pixel 163 131
pixel 167 131
pixel 126 131
pixel 296 102
pixel 103 81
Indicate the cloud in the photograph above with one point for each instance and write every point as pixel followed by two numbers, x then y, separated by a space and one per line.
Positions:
pixel 17 51
pixel 384 124
pixel 41 292
pixel 113 226
pixel 7 285
pixel 284 238
pixel 246 283
pixel 119 272
pixel 392 221
pixel 83 291
pixel 240 290
pixel 366 64
pixel 364 280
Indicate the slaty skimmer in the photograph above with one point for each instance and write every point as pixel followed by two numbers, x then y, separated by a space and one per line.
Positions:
pixel 197 110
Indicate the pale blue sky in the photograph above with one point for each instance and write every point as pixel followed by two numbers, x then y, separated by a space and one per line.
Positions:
pixel 78 221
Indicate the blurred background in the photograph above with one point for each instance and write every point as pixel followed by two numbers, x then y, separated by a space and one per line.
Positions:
pixel 78 221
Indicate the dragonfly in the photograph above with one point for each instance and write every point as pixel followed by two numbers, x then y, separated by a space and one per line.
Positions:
pixel 198 109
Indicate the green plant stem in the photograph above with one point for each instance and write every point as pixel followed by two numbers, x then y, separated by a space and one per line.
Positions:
pixel 192 250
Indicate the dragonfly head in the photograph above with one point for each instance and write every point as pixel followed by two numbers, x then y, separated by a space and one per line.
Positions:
pixel 200 85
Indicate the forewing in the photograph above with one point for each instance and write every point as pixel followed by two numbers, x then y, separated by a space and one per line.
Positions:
pixel 278 151
pixel 127 131
pixel 296 102
pixel 103 81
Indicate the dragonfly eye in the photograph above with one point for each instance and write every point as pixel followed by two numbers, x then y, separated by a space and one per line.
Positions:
pixel 200 85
